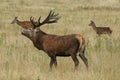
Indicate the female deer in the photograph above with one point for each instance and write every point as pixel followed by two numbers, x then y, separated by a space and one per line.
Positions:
pixel 24 24
pixel 100 30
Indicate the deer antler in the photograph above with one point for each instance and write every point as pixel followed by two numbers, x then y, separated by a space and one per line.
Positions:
pixel 51 18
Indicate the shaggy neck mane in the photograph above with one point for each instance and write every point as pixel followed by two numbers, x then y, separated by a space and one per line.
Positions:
pixel 37 38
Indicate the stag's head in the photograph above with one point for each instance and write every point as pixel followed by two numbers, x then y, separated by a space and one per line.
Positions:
pixel 31 31
pixel 91 23
pixel 14 20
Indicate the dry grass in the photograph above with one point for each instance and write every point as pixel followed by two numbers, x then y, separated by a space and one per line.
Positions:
pixel 19 60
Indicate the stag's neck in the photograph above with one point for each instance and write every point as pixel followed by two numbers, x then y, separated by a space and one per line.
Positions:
pixel 37 39
pixel 40 34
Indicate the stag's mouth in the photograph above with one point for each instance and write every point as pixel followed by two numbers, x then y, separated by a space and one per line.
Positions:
pixel 23 32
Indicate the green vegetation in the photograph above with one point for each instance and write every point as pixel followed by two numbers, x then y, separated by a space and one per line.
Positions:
pixel 20 60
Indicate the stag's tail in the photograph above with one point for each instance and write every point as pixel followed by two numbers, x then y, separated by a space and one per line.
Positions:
pixel 82 43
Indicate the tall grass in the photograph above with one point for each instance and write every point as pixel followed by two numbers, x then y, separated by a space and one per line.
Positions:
pixel 20 60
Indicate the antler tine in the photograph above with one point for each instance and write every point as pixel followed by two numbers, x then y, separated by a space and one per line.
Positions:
pixel 31 18
pixel 52 14
pixel 32 21
pixel 47 18
pixel 39 22
pixel 56 14
pixel 39 19
pixel 51 18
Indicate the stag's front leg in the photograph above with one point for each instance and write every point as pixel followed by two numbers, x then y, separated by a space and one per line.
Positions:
pixel 53 61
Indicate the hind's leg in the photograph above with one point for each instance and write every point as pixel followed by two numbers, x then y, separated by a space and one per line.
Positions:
pixel 109 33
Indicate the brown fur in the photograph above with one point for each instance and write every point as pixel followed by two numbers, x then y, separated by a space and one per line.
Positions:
pixel 54 45
pixel 101 30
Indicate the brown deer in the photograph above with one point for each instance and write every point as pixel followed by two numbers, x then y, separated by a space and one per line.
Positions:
pixel 101 30
pixel 54 45
pixel 24 24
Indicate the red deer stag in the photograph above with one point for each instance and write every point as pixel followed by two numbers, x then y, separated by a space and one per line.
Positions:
pixel 23 24
pixel 101 30
pixel 54 45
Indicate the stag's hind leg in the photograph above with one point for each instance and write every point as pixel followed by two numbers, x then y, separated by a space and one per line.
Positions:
pixel 82 56
pixel 76 62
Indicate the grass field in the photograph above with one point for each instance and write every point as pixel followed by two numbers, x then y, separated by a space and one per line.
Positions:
pixel 20 60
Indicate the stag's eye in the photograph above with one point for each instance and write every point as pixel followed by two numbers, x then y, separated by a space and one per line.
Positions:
pixel 30 29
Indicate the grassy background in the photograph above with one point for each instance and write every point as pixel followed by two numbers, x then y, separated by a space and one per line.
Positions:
pixel 20 60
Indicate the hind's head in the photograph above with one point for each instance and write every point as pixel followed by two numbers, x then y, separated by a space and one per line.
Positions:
pixel 14 20
pixel 91 23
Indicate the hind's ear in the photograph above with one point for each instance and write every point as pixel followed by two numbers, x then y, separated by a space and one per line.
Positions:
pixel 16 17
pixel 91 21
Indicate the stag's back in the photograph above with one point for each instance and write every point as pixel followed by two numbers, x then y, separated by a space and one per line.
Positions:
pixel 59 43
